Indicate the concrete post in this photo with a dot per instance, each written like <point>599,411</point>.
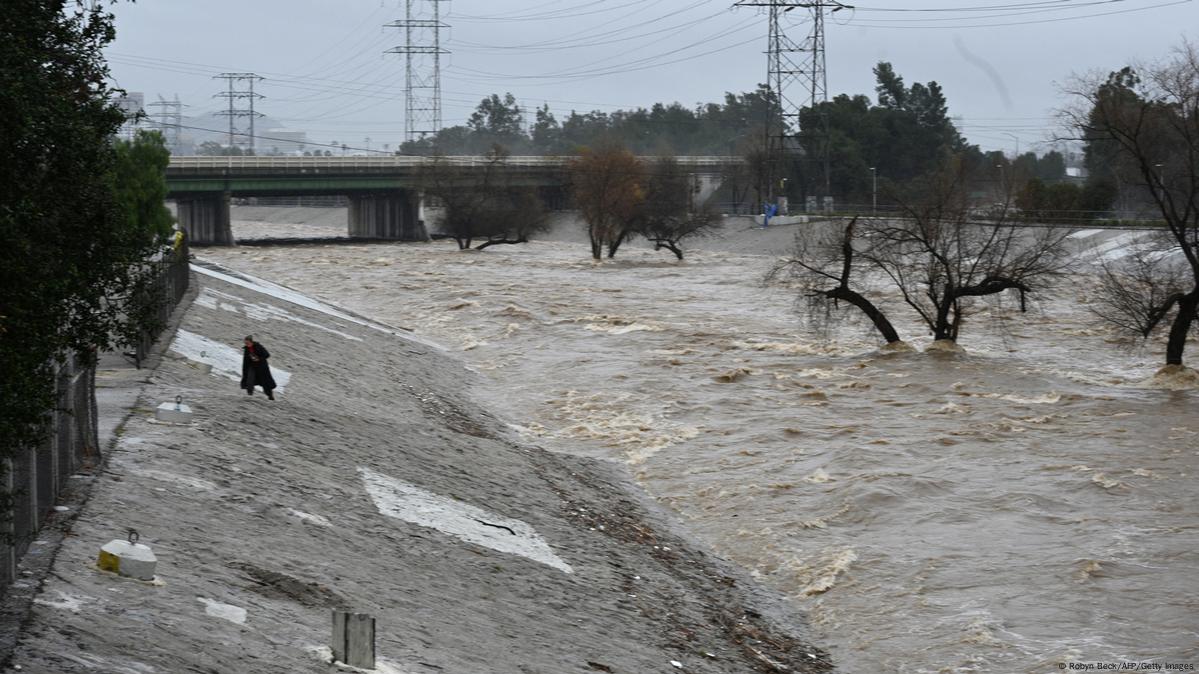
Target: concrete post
<point>205,218</point>
<point>354,639</point>
<point>387,215</point>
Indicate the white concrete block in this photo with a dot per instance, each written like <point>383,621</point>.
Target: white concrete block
<point>128,559</point>
<point>176,413</point>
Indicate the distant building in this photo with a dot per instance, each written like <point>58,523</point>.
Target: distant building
<point>133,104</point>
<point>281,141</point>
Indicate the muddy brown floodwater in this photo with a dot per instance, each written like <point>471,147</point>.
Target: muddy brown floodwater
<point>1026,503</point>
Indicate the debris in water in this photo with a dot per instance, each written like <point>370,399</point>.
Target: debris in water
<point>732,375</point>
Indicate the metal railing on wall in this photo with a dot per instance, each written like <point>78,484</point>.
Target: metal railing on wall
<point>171,276</point>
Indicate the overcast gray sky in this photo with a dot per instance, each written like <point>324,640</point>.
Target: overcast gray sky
<point>1001,62</point>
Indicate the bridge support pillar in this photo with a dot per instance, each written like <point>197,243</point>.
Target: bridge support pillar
<point>205,218</point>
<point>389,215</point>
<point>703,186</point>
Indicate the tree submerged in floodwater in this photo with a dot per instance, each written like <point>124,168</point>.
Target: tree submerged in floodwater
<point>484,202</point>
<point>621,197</point>
<point>939,257</point>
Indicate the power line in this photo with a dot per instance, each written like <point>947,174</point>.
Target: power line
<point>891,24</point>
<point>986,8</point>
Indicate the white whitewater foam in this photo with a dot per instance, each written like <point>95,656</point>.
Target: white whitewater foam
<point>66,602</point>
<point>215,299</point>
<point>309,517</point>
<point>404,501</point>
<point>216,609</point>
<point>224,359</point>
<point>1115,248</point>
<point>182,480</point>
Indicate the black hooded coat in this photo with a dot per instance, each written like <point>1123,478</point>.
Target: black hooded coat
<point>254,368</point>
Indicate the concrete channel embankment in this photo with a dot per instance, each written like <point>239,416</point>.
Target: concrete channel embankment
<point>374,484</point>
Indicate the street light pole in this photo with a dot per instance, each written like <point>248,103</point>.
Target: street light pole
<point>873,191</point>
<point>1015,138</point>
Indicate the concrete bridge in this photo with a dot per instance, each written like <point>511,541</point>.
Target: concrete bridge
<point>384,192</point>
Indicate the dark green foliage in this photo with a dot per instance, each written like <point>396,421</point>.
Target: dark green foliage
<point>712,129</point>
<point>1051,167</point>
<point>139,186</point>
<point>905,135</point>
<point>211,148</point>
<point>1065,203</point>
<point>69,254</point>
<point>497,121</point>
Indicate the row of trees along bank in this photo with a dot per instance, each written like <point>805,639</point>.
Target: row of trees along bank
<point>81,213</point>
<point>902,133</point>
<point>943,261</point>
<point>619,196</point>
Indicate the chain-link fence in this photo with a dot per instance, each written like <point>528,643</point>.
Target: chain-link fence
<point>34,477</point>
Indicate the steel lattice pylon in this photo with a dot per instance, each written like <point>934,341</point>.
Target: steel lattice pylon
<point>233,113</point>
<point>170,121</point>
<point>791,64</point>
<point>422,52</point>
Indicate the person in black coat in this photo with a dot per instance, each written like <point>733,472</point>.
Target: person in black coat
<point>254,369</point>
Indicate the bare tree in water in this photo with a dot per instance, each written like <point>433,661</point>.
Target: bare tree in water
<point>821,267</point>
<point>938,257</point>
<point>668,214</point>
<point>943,260</point>
<point>1147,120</point>
<point>608,191</point>
<point>482,202</point>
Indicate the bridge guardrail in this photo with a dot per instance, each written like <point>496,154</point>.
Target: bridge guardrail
<point>208,163</point>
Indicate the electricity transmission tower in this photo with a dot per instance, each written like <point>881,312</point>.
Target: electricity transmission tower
<point>797,78</point>
<point>170,121</point>
<point>233,113</point>
<point>422,60</point>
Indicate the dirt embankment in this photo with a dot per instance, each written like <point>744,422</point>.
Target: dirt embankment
<point>374,484</point>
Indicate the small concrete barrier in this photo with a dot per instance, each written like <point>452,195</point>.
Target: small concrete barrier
<point>354,639</point>
<point>128,558</point>
<point>175,413</point>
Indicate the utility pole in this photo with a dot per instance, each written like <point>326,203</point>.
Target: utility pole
<point>874,191</point>
<point>170,121</point>
<point>801,64</point>
<point>234,112</point>
<point>422,61</point>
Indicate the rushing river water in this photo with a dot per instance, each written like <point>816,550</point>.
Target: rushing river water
<point>1004,510</point>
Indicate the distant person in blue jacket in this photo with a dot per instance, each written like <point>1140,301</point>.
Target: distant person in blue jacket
<point>768,211</point>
